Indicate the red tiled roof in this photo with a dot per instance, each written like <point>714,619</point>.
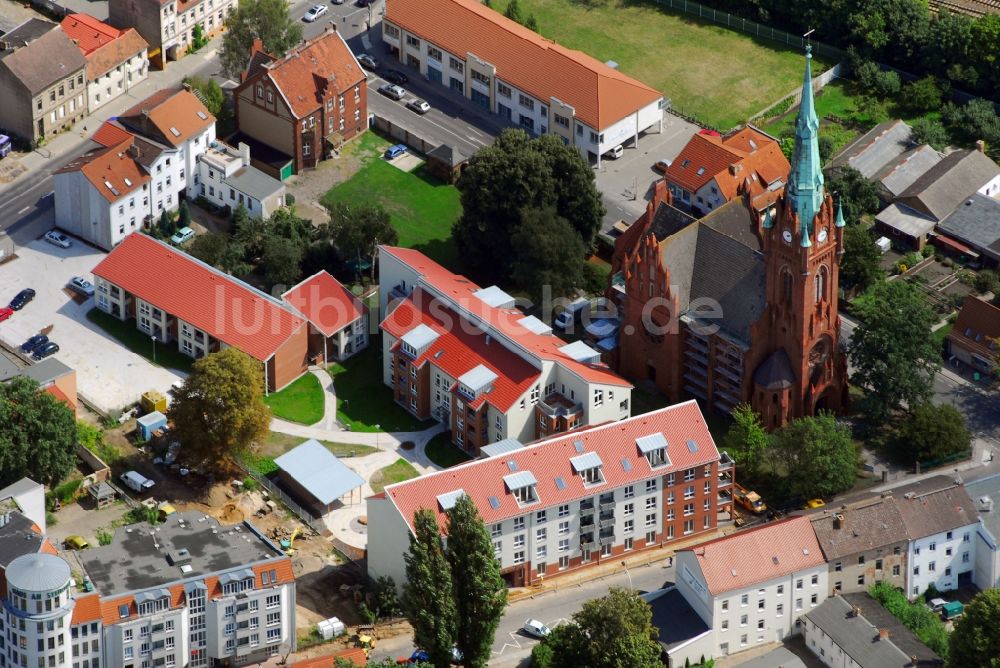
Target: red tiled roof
<point>109,56</point>
<point>325,302</point>
<point>549,459</point>
<point>88,32</point>
<point>86,609</point>
<point>756,555</point>
<point>458,291</point>
<point>111,170</point>
<point>457,350</point>
<point>167,110</point>
<point>305,72</point>
<point>175,282</point>
<point>601,95</point>
<point>355,656</point>
<point>110,134</point>
<point>978,327</point>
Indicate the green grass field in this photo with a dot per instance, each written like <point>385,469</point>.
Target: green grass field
<point>363,401</point>
<point>443,452</point>
<point>301,402</point>
<point>422,208</point>
<point>125,333</point>
<point>398,471</point>
<point>719,76</point>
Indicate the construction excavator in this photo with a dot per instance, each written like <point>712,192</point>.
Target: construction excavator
<point>288,545</point>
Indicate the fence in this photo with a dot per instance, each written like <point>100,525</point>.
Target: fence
<point>276,492</point>
<point>401,134</point>
<point>818,83</point>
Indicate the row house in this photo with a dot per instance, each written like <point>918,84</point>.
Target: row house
<point>303,106</point>
<point>42,81</point>
<point>168,25</point>
<point>467,357</point>
<point>116,59</point>
<point>515,73</point>
<point>570,501</point>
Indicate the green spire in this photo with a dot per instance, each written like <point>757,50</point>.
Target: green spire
<point>768,221</point>
<point>805,182</point>
<point>840,213</point>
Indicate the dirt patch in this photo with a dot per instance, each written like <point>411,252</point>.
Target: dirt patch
<point>10,170</point>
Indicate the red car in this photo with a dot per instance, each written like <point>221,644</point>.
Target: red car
<point>5,312</point>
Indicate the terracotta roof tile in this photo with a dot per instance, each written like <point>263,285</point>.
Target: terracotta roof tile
<point>601,95</point>
<point>165,111</point>
<point>614,442</point>
<point>226,308</point>
<point>110,134</point>
<point>88,32</point>
<point>355,656</point>
<point>111,170</point>
<point>106,58</point>
<point>325,302</point>
<point>978,327</point>
<point>86,609</point>
<point>746,558</point>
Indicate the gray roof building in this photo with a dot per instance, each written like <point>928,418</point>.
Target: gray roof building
<point>945,185</point>
<point>934,505</point>
<point>17,537</point>
<point>905,220</point>
<point>318,472</point>
<point>899,174</point>
<point>977,224</point>
<point>859,527</point>
<point>40,54</point>
<point>255,183</point>
<point>872,151</point>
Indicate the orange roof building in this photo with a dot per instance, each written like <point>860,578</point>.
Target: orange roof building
<point>116,59</point>
<point>975,338</point>
<point>338,320</point>
<point>514,72</point>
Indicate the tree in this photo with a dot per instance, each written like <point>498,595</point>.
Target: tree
<point>266,20</point>
<point>928,433</point>
<point>219,410</point>
<point>531,23</point>
<point>861,265</point>
<point>211,93</point>
<point>613,631</point>
<point>931,131</point>
<point>550,254</point>
<point>167,225</point>
<point>892,349</point>
<point>252,232</point>
<point>818,455</point>
<point>220,251</point>
<point>37,434</point>
<point>357,230</point>
<point>974,640</point>
<point>479,590</point>
<point>428,595</point>
<point>513,11</point>
<point>282,261</point>
<point>183,214</point>
<point>198,39</point>
<point>921,96</point>
<point>746,441</point>
<point>856,194</point>
<point>386,601</point>
<point>876,81</point>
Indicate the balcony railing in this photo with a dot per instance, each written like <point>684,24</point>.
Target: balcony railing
<point>726,462</point>
<point>586,505</point>
<point>559,407</point>
<point>607,506</point>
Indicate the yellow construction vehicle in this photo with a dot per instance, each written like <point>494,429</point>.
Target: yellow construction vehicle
<point>289,545</point>
<point>365,642</point>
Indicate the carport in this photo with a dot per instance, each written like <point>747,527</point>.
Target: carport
<point>316,478</point>
<point>103,494</point>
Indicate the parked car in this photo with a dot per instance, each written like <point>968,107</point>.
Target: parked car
<point>368,62</point>
<point>81,285</point>
<point>661,166</point>
<point>5,312</point>
<point>182,235</point>
<point>37,341</point>
<point>418,105</point>
<point>394,92</point>
<point>535,628</point>
<point>572,313</point>
<point>336,2</point>
<point>75,543</point>
<point>45,350</point>
<point>57,238</point>
<point>363,3</point>
<point>394,151</point>
<point>314,13</point>
<point>136,482</point>
<point>395,76</point>
<point>814,503</point>
<point>22,298</point>
<point>615,153</point>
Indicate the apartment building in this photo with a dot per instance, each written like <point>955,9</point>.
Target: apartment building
<point>863,543</point>
<point>338,319</point>
<point>229,180</point>
<point>177,299</point>
<point>751,587</point>
<point>303,106</point>
<point>570,501</point>
<point>985,493</point>
<point>465,356</point>
<point>116,59</point>
<point>515,73</point>
<point>168,25</point>
<point>42,81</point>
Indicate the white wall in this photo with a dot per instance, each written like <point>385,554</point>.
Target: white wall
<point>388,541</point>
<point>31,502</point>
<point>392,272</point>
<point>992,188</point>
<point>165,182</point>
<point>987,569</point>
<point>933,552</point>
<point>118,81</point>
<point>823,646</point>
<point>82,211</point>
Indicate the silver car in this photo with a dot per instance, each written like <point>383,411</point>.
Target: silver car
<point>314,13</point>
<point>58,239</point>
<point>82,286</point>
<point>418,105</point>
<point>393,91</point>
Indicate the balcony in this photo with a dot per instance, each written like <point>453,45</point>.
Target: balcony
<point>587,505</point>
<point>697,343</point>
<point>727,372</point>
<point>726,462</point>
<point>697,356</point>
<point>607,520</point>
<point>558,406</point>
<point>607,507</point>
<point>725,497</point>
<point>399,292</point>
<point>587,521</point>
<point>606,538</point>
<point>587,542</point>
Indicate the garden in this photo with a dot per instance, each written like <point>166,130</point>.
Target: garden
<point>364,402</point>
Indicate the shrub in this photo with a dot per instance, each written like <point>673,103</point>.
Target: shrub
<point>917,617</point>
<point>927,251</point>
<point>986,281</point>
<point>51,519</point>
<point>250,484</point>
<point>542,656</point>
<point>104,537</point>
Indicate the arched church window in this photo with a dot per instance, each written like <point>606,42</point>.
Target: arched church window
<point>822,278</point>
<point>786,284</point>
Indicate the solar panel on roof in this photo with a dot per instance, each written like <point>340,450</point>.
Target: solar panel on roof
<point>692,445</point>
<point>578,445</point>
<point>560,483</point>
<point>626,464</point>
<point>512,465</point>
<point>494,502</point>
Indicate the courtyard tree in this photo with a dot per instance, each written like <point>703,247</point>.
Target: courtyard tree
<point>357,230</point>
<point>219,410</point>
<point>282,261</point>
<point>480,594</point>
<point>861,265</point>
<point>928,432</point>
<point>266,20</point>
<point>183,214</point>
<point>37,434</point>
<point>892,350</point>
<point>428,595</point>
<point>817,456</point>
<point>550,256</point>
<point>513,11</point>
<point>220,251</point>
<point>975,640</point>
<point>856,194</point>
<point>746,440</point>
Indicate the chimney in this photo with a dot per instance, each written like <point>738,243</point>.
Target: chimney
<point>981,146</point>
<point>244,154</point>
<point>133,151</point>
<point>258,45</point>
<point>838,521</point>
<point>333,26</point>
<point>883,634</point>
<point>855,611</point>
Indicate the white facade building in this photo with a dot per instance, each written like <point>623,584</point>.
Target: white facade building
<point>985,493</point>
<point>228,179</point>
<point>37,611</point>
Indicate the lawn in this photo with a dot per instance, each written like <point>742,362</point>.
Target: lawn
<point>363,400</point>
<point>719,76</point>
<point>443,452</point>
<point>398,471</point>
<point>261,461</point>
<point>422,208</point>
<point>301,402</point>
<point>125,333</point>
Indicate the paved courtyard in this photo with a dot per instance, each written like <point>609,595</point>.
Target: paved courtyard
<point>109,376</point>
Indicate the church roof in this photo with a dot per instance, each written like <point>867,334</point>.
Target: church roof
<point>776,372</point>
<point>805,182</point>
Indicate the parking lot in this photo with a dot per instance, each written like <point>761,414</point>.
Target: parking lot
<point>109,377</point>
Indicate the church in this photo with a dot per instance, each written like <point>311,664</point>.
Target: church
<point>739,307</point>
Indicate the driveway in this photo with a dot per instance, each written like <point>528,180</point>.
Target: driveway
<point>109,376</point>
<point>76,520</point>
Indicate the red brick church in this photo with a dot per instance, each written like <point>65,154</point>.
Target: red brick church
<point>738,307</point>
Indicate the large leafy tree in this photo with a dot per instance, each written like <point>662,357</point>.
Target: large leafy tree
<point>929,432</point>
<point>266,20</point>
<point>220,251</point>
<point>861,265</point>
<point>817,454</point>
<point>746,441</point>
<point>855,193</point>
<point>892,350</point>
<point>428,595</point>
<point>37,434</point>
<point>550,254</point>
<point>975,640</point>
<point>480,592</point>
<point>219,410</point>
<point>282,260</point>
<point>357,230</point>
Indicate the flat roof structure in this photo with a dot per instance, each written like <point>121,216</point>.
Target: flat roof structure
<point>319,472</point>
<point>676,620</point>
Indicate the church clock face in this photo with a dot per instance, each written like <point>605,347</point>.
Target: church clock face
<point>822,235</point>
<point>787,236</point>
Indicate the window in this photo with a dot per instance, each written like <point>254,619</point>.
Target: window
<point>518,523</point>
<point>932,567</point>
<point>540,517</point>
<point>725,605</point>
<point>628,544</point>
<point>650,502</point>
<point>480,77</point>
<point>780,590</point>
<point>564,510</point>
<point>526,102</point>
<point>563,563</point>
<point>598,397</point>
<point>433,52</point>
<point>895,570</point>
<point>541,552</point>
<point>725,624</point>
<point>519,557</point>
<point>743,620</point>
<point>629,509</point>
<point>798,584</point>
<point>779,609</point>
<point>456,64</point>
<point>651,520</point>
<point>541,534</point>
<point>760,624</point>
<point>744,599</point>
<point>861,579</point>
<point>689,475</point>
<point>496,530</point>
<point>503,89</point>
<point>798,604</point>
<point>650,485</point>
<point>412,41</point>
<point>519,540</point>
<point>564,545</point>
<point>760,604</point>
<point>629,491</point>
<point>813,599</point>
<point>629,526</point>
<point>815,579</point>
<point>689,492</point>
<point>561,121</point>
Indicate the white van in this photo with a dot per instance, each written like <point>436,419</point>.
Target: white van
<point>572,313</point>
<point>615,153</point>
<point>136,482</point>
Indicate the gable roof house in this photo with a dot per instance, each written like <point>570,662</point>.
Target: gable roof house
<point>168,25</point>
<point>304,105</point>
<point>975,338</point>
<point>973,230</point>
<point>41,81</point>
<point>116,59</point>
<point>338,319</point>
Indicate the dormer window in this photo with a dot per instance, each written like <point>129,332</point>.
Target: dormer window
<point>589,466</point>
<point>654,449</point>
<point>522,485</point>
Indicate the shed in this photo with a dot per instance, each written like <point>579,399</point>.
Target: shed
<point>316,478</point>
<point>446,162</point>
<point>149,423</point>
<point>103,494</point>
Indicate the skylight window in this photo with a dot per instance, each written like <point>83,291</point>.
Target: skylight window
<point>701,170</point>
<point>174,131</point>
<point>128,182</point>
<point>685,163</point>
<point>202,116</point>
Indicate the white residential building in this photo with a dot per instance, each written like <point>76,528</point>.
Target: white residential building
<point>228,179</point>
<point>116,59</point>
<point>985,493</point>
<point>751,587</point>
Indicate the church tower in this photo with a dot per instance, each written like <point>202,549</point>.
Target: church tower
<point>800,368</point>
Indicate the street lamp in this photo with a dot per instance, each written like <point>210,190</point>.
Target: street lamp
<point>153,339</point>
<point>378,428</point>
<point>625,566</point>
